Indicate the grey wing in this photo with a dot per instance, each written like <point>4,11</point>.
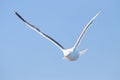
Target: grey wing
<point>84,30</point>
<point>41,33</point>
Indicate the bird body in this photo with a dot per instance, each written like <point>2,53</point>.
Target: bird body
<point>70,54</point>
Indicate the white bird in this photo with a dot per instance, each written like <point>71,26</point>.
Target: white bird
<point>70,54</point>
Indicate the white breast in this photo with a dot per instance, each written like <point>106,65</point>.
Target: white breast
<point>72,56</point>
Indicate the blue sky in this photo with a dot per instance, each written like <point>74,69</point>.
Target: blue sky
<point>25,55</point>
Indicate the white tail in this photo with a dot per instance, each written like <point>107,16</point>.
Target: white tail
<point>83,51</point>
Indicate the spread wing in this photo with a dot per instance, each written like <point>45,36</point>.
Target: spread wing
<point>40,32</point>
<point>84,30</point>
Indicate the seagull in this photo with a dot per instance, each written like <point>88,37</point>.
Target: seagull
<point>70,54</point>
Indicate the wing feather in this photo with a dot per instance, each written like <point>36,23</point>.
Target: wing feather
<point>40,32</point>
<point>84,30</point>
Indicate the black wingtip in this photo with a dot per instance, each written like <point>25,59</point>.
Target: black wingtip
<point>16,13</point>
<point>19,16</point>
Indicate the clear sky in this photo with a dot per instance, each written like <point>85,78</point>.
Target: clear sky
<point>25,55</point>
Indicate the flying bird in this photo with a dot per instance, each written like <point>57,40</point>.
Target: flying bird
<point>70,54</point>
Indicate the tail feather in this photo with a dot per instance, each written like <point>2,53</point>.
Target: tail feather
<point>83,51</point>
